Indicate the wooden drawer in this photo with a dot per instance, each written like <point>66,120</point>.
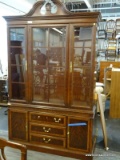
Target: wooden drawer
<point>47,118</point>
<point>47,129</point>
<point>47,140</point>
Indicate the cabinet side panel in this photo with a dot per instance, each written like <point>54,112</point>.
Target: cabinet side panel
<point>17,123</point>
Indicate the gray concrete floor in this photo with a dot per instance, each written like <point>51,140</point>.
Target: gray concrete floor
<point>99,154</point>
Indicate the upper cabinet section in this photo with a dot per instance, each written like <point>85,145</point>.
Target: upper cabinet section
<point>51,56</point>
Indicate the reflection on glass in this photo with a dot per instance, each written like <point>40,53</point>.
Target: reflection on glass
<point>82,44</point>
<point>49,65</point>
<point>17,52</point>
<point>17,60</point>
<point>81,86</point>
<point>18,73</point>
<point>57,37</point>
<point>17,34</point>
<point>40,39</point>
<point>18,91</point>
<point>81,65</point>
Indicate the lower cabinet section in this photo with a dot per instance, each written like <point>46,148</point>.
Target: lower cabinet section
<point>69,133</point>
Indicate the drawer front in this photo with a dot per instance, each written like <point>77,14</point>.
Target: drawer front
<point>48,118</point>
<point>47,140</point>
<point>48,130</point>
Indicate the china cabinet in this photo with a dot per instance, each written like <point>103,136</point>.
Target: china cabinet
<point>51,79</point>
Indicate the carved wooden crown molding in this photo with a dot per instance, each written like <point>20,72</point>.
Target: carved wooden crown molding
<point>48,8</point>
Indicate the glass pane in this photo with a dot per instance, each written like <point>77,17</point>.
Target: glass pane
<point>82,34</point>
<point>17,34</point>
<point>40,39</point>
<point>57,37</point>
<point>18,91</point>
<point>81,57</point>
<point>18,62</point>
<point>57,89</point>
<point>17,52</point>
<point>57,59</point>
<point>81,86</point>
<point>81,65</point>
<point>40,64</point>
<point>49,65</point>
<point>18,73</point>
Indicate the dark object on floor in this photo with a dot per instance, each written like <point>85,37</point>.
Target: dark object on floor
<point>6,112</point>
<point>5,143</point>
<point>3,119</point>
<point>98,113</point>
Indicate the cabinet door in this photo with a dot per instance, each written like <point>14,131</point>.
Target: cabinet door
<point>48,52</point>
<point>17,63</point>
<point>18,125</point>
<point>78,134</point>
<point>81,65</point>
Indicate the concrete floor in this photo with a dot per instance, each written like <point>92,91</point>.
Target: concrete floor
<point>99,154</point>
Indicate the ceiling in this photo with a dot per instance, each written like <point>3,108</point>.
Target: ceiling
<point>110,9</point>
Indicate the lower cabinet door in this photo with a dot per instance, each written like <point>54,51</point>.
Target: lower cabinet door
<point>78,134</point>
<point>18,122</point>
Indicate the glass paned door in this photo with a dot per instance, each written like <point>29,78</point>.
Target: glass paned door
<point>49,64</point>
<point>81,66</point>
<point>17,57</point>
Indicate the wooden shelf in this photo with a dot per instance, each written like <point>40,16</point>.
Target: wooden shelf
<point>108,79</point>
<point>4,104</point>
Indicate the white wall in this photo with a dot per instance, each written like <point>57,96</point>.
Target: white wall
<point>3,45</point>
<point>6,10</point>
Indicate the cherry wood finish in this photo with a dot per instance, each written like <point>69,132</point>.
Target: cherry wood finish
<point>114,92</point>
<point>53,70</point>
<point>4,143</point>
<point>18,125</point>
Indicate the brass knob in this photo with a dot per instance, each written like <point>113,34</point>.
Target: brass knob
<point>68,133</point>
<point>26,128</point>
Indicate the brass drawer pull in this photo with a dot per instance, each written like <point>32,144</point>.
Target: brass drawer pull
<point>46,140</point>
<point>46,130</point>
<point>38,117</point>
<point>57,120</point>
<point>68,133</point>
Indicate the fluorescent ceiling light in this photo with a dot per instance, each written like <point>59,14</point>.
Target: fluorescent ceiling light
<point>16,5</point>
<point>118,36</point>
<point>57,30</point>
<point>88,4</point>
